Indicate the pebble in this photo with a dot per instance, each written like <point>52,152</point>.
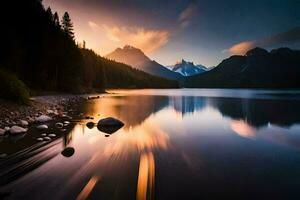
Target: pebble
<point>23,123</point>
<point>66,123</point>
<point>52,135</point>
<point>44,134</point>
<point>47,138</point>
<point>59,125</point>
<point>6,128</point>
<point>41,127</point>
<point>40,139</point>
<point>43,118</point>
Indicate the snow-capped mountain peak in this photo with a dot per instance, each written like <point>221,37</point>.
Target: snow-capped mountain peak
<point>186,68</point>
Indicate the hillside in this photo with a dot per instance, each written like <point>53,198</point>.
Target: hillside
<point>259,68</point>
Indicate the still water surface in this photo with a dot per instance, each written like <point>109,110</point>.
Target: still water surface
<point>176,144</point>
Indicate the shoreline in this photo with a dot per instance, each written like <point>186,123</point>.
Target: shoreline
<point>14,114</point>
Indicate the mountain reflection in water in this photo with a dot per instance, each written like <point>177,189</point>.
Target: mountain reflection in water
<point>183,144</point>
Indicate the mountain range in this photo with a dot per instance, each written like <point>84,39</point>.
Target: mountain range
<point>279,68</point>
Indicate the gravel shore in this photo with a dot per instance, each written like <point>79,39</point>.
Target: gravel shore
<point>15,114</point>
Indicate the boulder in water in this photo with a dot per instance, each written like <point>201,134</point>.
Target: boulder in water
<point>109,125</point>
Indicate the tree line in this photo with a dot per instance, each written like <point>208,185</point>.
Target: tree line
<point>39,48</point>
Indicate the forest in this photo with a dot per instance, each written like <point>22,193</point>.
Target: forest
<point>39,53</point>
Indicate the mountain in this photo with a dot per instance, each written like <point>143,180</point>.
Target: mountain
<point>187,68</point>
<point>259,68</point>
<point>137,59</point>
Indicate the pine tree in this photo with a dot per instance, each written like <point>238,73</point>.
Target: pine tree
<point>56,20</point>
<point>67,26</point>
<point>49,14</point>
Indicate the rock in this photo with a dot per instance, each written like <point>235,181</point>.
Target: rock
<point>66,123</point>
<point>68,152</point>
<point>47,138</point>
<point>51,135</point>
<point>90,125</point>
<point>44,135</point>
<point>41,127</point>
<point>109,125</point>
<point>59,125</point>
<point>43,118</point>
<point>17,130</point>
<point>40,139</point>
<point>2,132</point>
<point>50,111</point>
<point>3,155</point>
<point>63,129</point>
<point>6,128</point>
<point>23,123</point>
<point>110,121</point>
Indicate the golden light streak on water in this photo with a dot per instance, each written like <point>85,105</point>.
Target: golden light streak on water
<point>88,188</point>
<point>145,186</point>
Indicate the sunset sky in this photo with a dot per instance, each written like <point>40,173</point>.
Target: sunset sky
<point>203,31</point>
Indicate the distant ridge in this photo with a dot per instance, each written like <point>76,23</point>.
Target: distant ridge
<point>279,68</point>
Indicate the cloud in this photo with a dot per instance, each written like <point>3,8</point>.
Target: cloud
<point>290,38</point>
<point>148,40</point>
<point>186,15</point>
<point>93,25</point>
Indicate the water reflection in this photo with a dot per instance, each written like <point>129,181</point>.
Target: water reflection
<point>195,143</point>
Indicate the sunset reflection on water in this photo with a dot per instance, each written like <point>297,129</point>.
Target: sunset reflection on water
<point>171,147</point>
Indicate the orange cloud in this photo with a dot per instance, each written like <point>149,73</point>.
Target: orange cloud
<point>146,39</point>
<point>241,48</point>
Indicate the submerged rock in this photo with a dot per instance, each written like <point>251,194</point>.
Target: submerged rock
<point>43,118</point>
<point>42,127</point>
<point>17,130</point>
<point>109,125</point>
<point>68,152</point>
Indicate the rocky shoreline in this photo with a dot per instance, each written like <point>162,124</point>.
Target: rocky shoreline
<point>21,116</point>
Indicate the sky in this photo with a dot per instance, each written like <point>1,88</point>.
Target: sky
<point>202,31</point>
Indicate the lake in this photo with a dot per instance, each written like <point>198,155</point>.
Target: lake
<point>175,144</point>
